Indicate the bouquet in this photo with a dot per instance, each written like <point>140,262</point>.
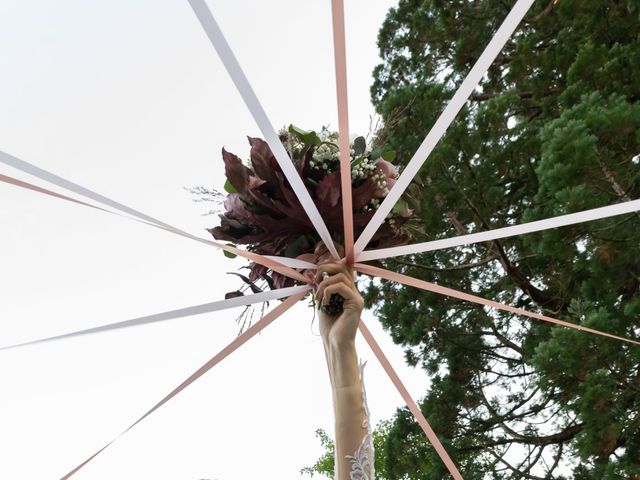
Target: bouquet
<point>263,212</point>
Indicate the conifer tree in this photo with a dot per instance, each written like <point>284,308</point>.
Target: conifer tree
<point>554,128</point>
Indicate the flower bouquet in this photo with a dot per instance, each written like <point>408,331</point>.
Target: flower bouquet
<point>263,212</point>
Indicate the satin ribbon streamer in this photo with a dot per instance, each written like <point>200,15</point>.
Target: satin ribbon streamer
<point>547,223</point>
<point>179,313</point>
<point>340,56</point>
<point>444,120</point>
<point>432,287</point>
<point>292,262</point>
<point>272,262</point>
<point>285,265</point>
<point>225,352</point>
<point>241,82</point>
<point>422,421</point>
<point>35,188</point>
<point>42,174</point>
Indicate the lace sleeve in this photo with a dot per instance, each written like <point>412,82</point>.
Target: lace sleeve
<point>362,461</point>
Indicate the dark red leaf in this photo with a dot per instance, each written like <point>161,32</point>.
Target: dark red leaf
<point>254,288</point>
<point>328,190</point>
<point>237,173</point>
<point>262,159</point>
<point>362,194</point>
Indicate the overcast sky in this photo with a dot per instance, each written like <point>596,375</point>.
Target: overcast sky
<point>129,98</point>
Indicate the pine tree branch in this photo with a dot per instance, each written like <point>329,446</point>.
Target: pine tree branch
<point>542,298</point>
<point>547,10</point>
<point>554,439</point>
<point>617,188</point>
<point>504,340</point>
<point>464,266</point>
<point>482,97</point>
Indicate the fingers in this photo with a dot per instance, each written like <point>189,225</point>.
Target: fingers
<point>339,278</point>
<point>332,278</point>
<point>352,300</point>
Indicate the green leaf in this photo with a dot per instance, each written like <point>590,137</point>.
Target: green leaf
<point>389,155</point>
<point>359,146</point>
<point>308,137</point>
<point>357,162</point>
<point>229,254</point>
<point>400,207</point>
<point>229,188</point>
<point>414,189</point>
<point>376,153</point>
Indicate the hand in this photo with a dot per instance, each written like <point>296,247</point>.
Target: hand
<point>341,329</point>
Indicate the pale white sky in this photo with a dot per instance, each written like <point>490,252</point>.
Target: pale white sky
<point>129,98</point>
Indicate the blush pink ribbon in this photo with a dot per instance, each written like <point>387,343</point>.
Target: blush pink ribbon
<point>220,44</point>
<point>406,396</point>
<point>352,250</point>
<point>224,353</point>
<point>270,262</point>
<point>340,56</point>
<point>432,287</point>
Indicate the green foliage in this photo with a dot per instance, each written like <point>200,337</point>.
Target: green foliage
<point>326,464</point>
<point>307,137</point>
<point>229,188</point>
<point>554,129</point>
<point>229,254</point>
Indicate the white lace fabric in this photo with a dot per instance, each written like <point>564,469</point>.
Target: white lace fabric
<point>362,461</point>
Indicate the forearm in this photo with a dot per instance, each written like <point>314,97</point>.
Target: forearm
<point>354,442</point>
<point>342,361</point>
<point>352,431</point>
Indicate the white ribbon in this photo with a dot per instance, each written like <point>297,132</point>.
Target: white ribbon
<point>547,223</point>
<point>292,262</point>
<point>241,82</point>
<point>444,120</point>
<point>74,187</point>
<point>179,313</point>
<point>221,355</point>
<point>137,216</point>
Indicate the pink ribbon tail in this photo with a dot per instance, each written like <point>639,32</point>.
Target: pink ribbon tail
<point>339,49</point>
<point>422,421</point>
<point>224,353</point>
<point>432,287</point>
<point>141,218</point>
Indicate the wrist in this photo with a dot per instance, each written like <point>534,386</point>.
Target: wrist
<point>343,363</point>
<point>340,346</point>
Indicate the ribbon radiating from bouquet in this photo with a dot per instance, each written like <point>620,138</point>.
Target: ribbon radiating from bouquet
<point>289,267</point>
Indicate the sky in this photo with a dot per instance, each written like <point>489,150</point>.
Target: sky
<point>128,98</point>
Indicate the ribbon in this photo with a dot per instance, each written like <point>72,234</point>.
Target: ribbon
<point>272,262</point>
<point>74,187</point>
<point>444,120</point>
<point>241,82</point>
<point>547,223</point>
<point>417,413</point>
<point>292,262</point>
<point>224,353</point>
<point>179,313</point>
<point>29,186</point>
<point>432,287</point>
<point>340,56</point>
